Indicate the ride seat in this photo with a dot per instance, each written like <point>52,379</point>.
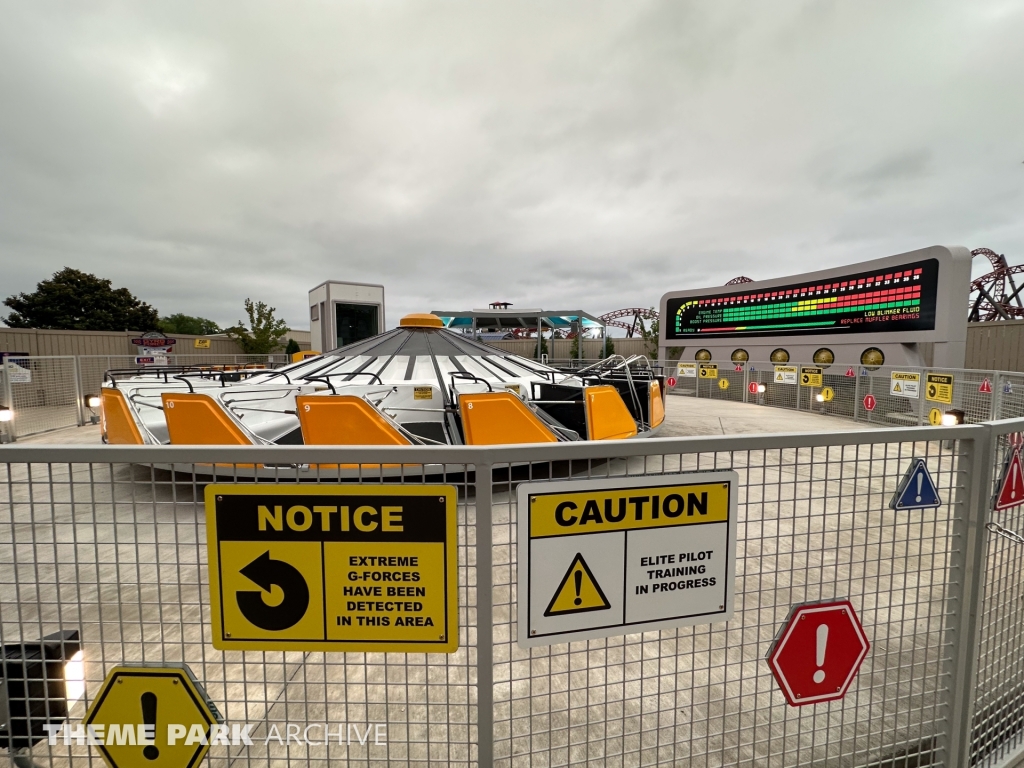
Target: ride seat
<point>608,418</point>
<point>116,421</point>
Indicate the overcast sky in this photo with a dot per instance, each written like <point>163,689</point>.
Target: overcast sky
<point>552,154</point>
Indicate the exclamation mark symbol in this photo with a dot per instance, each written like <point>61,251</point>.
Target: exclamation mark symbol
<point>578,578</point>
<point>1015,469</point>
<point>920,482</point>
<point>822,640</point>
<point>150,751</point>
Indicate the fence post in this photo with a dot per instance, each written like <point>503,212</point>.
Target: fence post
<point>746,380</point>
<point>966,588</point>
<point>484,618</point>
<point>996,401</point>
<point>856,396</point>
<point>12,431</point>
<point>79,396</point>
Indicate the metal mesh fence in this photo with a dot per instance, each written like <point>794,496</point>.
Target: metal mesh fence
<point>118,552</point>
<point>980,395</point>
<point>997,733</point>
<point>112,542</point>
<point>814,524</point>
<point>43,392</point>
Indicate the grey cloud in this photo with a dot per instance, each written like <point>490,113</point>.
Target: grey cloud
<point>588,154</point>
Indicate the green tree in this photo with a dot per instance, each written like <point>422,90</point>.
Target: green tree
<point>180,323</point>
<point>610,348</point>
<point>292,348</point>
<point>77,301</point>
<point>543,348</point>
<point>650,337</point>
<point>264,333</point>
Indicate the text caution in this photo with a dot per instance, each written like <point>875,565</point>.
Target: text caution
<point>611,557</point>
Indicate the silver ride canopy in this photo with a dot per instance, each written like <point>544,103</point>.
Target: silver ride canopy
<point>419,384</point>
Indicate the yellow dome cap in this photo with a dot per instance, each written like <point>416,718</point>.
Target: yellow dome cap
<point>421,320</point>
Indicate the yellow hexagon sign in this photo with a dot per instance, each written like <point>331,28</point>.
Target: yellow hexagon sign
<point>827,393</point>
<point>156,716</point>
<point>723,383</point>
<point>935,417</point>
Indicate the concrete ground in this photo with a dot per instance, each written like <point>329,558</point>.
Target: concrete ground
<point>120,551</point>
<point>687,416</point>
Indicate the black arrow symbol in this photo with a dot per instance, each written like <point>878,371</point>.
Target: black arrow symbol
<point>266,573</point>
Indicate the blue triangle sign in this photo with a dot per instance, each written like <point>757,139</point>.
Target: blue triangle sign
<point>916,490</point>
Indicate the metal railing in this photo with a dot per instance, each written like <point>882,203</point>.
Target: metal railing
<point>46,393</point>
<point>110,541</point>
<point>981,395</point>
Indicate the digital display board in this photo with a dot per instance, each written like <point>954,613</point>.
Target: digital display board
<point>897,299</point>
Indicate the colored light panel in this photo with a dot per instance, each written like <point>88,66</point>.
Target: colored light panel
<point>902,300</point>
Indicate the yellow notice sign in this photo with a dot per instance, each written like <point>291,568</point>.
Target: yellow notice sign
<point>810,377</point>
<point>939,388</point>
<point>423,393</point>
<point>202,343</point>
<point>333,567</point>
<point>152,715</point>
<point>609,557</point>
<point>578,592</point>
<point>708,370</point>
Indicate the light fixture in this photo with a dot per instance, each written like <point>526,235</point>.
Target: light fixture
<point>39,681</point>
<point>953,417</point>
<point>6,414</point>
<point>760,389</point>
<point>92,402</point>
<point>819,397</point>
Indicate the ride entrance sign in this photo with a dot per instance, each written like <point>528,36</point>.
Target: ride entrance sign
<point>614,556</point>
<point>297,567</point>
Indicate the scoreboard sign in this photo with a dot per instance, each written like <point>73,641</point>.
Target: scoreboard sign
<point>297,567</point>
<point>600,558</point>
<point>870,313</point>
<point>861,302</point>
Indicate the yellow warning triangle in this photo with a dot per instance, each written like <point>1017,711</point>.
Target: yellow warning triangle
<point>578,592</point>
<point>896,388</point>
<point>779,377</point>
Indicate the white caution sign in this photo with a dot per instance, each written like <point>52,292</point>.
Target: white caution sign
<point>904,384</point>
<point>600,558</point>
<point>785,374</point>
<point>687,370</point>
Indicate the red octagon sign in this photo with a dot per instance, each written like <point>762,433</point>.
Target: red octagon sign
<point>752,387</point>
<point>870,402</point>
<point>671,381</point>
<point>818,652</point>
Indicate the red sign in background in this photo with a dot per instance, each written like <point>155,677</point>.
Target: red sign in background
<point>752,387</point>
<point>1011,486</point>
<point>870,402</point>
<point>818,653</point>
<point>671,381</point>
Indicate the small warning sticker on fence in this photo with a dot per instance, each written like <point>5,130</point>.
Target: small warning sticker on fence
<point>916,490</point>
<point>785,374</point>
<point>939,388</point>
<point>609,557</point>
<point>904,384</point>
